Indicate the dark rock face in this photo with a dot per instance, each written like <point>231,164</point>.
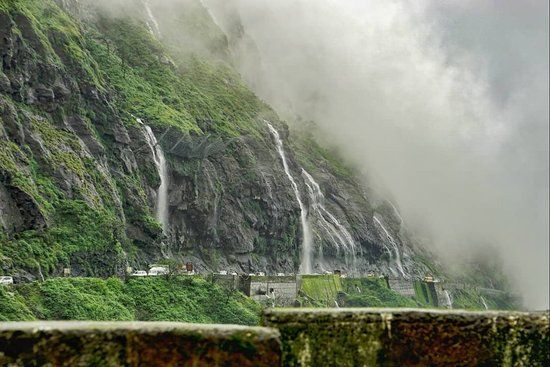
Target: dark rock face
<point>137,344</point>
<point>231,204</point>
<point>400,337</point>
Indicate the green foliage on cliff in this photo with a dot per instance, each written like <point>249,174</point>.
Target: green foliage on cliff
<point>13,307</point>
<point>186,299</point>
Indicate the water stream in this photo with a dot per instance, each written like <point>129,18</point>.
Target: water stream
<point>152,22</point>
<point>397,256</point>
<point>448,299</point>
<point>161,207</point>
<point>484,303</point>
<point>337,233</point>
<point>305,267</point>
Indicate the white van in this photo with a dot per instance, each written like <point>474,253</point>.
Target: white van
<point>6,280</point>
<point>158,270</point>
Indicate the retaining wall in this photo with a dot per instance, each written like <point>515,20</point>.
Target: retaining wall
<point>402,337</point>
<point>106,344</point>
<point>305,337</point>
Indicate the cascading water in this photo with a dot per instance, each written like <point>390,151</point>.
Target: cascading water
<point>396,212</point>
<point>395,248</point>
<point>305,267</point>
<point>337,233</point>
<point>448,299</point>
<point>160,163</point>
<point>152,22</point>
<point>484,303</point>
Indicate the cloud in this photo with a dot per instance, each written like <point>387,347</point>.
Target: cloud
<point>442,104</point>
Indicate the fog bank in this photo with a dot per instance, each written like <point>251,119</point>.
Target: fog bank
<point>443,105</point>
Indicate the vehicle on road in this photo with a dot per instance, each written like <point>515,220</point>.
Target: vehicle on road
<point>158,270</point>
<point>6,280</point>
<point>139,273</point>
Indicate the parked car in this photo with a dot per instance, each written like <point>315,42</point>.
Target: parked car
<point>158,270</point>
<point>6,280</point>
<point>223,272</point>
<point>260,274</point>
<point>280,274</point>
<point>139,273</point>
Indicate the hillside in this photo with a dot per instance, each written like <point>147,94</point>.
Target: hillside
<point>80,184</point>
<point>183,299</point>
<point>128,138</point>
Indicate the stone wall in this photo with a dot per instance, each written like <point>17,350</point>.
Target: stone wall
<point>402,337</point>
<point>227,281</point>
<point>402,286</point>
<point>148,344</point>
<point>276,290</point>
<point>305,337</point>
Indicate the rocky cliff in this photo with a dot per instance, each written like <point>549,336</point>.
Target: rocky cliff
<point>81,82</point>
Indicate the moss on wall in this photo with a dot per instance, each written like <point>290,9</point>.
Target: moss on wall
<point>319,290</point>
<point>393,337</point>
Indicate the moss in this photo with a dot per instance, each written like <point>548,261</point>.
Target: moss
<point>372,292</point>
<point>320,289</point>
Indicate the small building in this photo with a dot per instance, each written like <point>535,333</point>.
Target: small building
<point>280,290</point>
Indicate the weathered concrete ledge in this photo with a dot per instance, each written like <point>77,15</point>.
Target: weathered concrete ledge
<point>406,337</point>
<point>57,343</point>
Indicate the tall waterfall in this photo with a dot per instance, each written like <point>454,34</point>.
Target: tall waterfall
<point>160,163</point>
<point>448,299</point>
<point>152,22</point>
<point>484,303</point>
<point>337,233</point>
<point>305,267</point>
<point>397,256</point>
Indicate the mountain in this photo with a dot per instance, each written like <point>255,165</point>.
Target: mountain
<point>129,138</point>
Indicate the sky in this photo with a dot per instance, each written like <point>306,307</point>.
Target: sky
<point>442,104</point>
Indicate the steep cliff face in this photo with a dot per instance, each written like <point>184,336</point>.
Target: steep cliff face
<point>79,185</point>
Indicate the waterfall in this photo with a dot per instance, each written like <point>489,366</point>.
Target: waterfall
<point>305,266</point>
<point>448,299</point>
<point>484,303</point>
<point>395,248</point>
<point>337,233</point>
<point>152,22</point>
<point>162,169</point>
<point>396,212</point>
<point>336,304</point>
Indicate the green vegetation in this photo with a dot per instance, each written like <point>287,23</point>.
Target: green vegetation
<point>13,307</point>
<point>320,290</point>
<point>425,293</point>
<point>175,298</point>
<point>372,292</point>
<point>325,290</point>
<point>312,155</point>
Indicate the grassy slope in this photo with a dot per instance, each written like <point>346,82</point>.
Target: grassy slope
<point>183,299</point>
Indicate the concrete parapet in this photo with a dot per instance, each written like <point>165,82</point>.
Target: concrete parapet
<point>57,343</point>
<point>406,337</point>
